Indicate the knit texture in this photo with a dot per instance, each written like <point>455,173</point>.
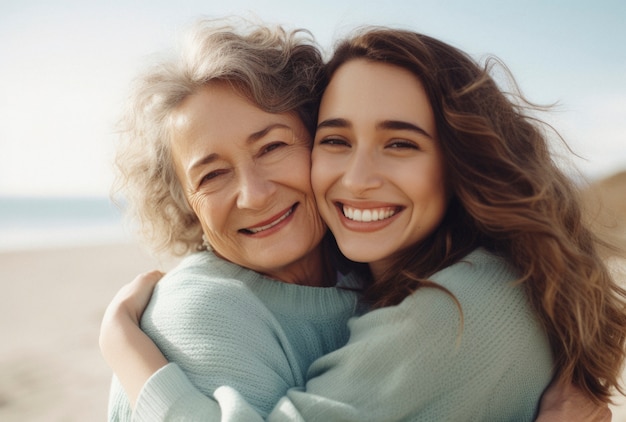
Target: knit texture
<point>220,324</point>
<point>410,362</point>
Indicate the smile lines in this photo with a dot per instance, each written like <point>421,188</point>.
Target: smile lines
<point>270,225</point>
<point>368,215</point>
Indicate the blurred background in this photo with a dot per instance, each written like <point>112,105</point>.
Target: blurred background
<point>65,68</point>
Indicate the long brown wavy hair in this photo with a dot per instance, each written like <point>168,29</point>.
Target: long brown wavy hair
<point>510,197</point>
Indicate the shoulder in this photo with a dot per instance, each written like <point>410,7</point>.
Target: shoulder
<point>203,275</point>
<point>479,276</point>
<point>494,308</point>
<point>479,263</point>
<point>490,299</point>
<point>203,288</point>
<point>208,266</point>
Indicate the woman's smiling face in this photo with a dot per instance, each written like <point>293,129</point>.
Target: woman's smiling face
<point>246,174</point>
<point>378,170</point>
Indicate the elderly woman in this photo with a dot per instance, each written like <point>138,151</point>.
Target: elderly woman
<point>216,157</point>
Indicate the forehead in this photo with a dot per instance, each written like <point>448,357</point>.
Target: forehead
<point>218,108</point>
<point>217,119</point>
<point>381,91</point>
<point>218,112</point>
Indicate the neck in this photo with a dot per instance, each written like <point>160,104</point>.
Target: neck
<point>378,268</point>
<point>311,270</point>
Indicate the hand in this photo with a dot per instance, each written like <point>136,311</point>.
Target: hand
<point>132,299</point>
<point>563,402</point>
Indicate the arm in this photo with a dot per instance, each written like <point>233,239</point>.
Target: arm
<point>137,362</point>
<point>499,367</point>
<point>214,330</point>
<point>559,403</point>
<point>554,404</point>
<point>128,350</point>
<point>496,370</point>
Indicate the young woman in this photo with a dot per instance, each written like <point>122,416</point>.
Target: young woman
<point>484,281</point>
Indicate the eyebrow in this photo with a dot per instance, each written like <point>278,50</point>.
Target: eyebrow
<point>401,125</point>
<point>334,123</point>
<point>208,159</point>
<point>384,125</point>
<point>261,133</point>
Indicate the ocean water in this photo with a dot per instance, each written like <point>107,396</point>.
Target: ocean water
<point>35,223</point>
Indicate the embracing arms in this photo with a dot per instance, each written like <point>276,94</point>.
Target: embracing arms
<point>324,392</point>
<point>218,324</point>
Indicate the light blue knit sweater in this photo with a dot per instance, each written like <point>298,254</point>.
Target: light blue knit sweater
<point>411,362</point>
<point>225,325</point>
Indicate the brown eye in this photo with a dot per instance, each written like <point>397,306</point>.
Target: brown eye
<point>271,147</point>
<point>402,144</point>
<point>334,142</point>
<point>212,175</point>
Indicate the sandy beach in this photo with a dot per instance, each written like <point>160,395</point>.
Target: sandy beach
<point>50,311</point>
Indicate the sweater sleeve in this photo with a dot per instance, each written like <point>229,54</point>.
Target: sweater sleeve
<point>169,395</point>
<point>119,406</point>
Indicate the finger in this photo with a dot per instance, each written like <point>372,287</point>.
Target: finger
<point>148,279</point>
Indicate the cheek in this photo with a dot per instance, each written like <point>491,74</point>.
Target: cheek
<point>295,170</point>
<point>206,212</point>
<point>434,194</point>
<point>315,173</point>
<point>321,174</point>
<point>423,183</point>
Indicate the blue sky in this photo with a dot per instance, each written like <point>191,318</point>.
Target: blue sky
<point>65,67</point>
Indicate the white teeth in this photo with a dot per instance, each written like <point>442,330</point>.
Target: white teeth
<point>272,224</point>
<point>366,216</point>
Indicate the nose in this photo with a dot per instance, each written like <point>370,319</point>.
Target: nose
<point>256,189</point>
<point>361,173</point>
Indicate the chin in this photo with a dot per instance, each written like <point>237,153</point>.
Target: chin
<point>360,254</point>
<point>278,258</point>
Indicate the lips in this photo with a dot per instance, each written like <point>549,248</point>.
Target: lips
<point>272,222</point>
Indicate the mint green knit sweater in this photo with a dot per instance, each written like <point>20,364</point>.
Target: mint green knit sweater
<point>226,325</point>
<point>411,362</point>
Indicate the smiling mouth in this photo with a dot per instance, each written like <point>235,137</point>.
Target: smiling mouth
<point>370,214</point>
<point>259,229</point>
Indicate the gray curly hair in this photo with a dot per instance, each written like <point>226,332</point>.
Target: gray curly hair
<point>277,69</point>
